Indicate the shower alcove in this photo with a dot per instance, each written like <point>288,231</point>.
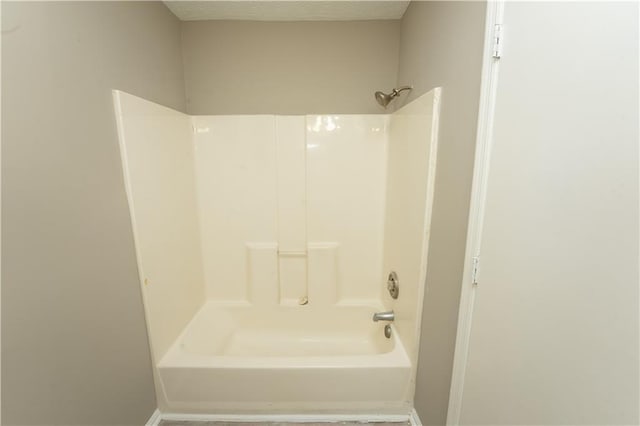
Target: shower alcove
<point>264,244</point>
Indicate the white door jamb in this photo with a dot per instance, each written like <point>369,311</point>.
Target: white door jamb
<point>489,80</point>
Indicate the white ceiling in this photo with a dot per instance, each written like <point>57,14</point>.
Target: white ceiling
<point>291,10</point>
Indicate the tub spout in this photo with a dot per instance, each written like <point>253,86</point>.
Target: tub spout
<point>384,316</point>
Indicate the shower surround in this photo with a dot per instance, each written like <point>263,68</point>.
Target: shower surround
<point>263,246</point>
<point>280,196</point>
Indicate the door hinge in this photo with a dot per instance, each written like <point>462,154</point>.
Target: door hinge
<point>498,40</point>
<point>474,270</point>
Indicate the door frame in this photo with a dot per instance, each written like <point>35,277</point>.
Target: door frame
<point>484,142</point>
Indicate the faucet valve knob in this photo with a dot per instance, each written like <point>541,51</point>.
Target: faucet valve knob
<point>393,285</point>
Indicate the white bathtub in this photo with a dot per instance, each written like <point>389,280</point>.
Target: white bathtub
<point>293,359</point>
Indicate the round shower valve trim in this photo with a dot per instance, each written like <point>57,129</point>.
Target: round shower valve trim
<point>393,285</point>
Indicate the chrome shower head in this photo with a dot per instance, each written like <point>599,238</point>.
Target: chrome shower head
<point>384,98</point>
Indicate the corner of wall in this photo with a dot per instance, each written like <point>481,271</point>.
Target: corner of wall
<point>429,32</point>
<point>185,88</point>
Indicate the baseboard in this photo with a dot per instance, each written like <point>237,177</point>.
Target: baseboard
<point>155,418</point>
<point>284,418</point>
<point>414,420</point>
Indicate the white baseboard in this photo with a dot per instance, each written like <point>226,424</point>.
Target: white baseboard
<point>155,419</point>
<point>414,420</point>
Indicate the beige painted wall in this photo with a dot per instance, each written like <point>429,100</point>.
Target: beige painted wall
<point>441,45</point>
<point>74,345</point>
<point>239,67</point>
<point>555,332</point>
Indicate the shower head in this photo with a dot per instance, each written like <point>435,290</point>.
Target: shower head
<point>384,98</point>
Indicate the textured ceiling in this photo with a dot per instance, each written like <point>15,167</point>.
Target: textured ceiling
<point>292,10</point>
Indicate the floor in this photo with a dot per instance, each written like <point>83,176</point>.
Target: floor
<point>189,423</point>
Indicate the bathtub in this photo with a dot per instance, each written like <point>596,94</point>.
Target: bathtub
<point>286,359</point>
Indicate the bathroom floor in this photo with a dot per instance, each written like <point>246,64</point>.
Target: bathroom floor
<point>190,423</point>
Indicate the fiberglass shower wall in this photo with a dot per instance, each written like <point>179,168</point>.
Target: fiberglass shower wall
<point>257,210</point>
<point>291,208</point>
<point>159,174</point>
<point>279,214</point>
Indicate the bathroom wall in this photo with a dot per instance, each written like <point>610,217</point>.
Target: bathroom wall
<point>413,147</point>
<point>74,344</point>
<point>441,46</point>
<point>158,159</point>
<point>236,166</point>
<point>291,207</point>
<point>559,343</point>
<point>241,67</point>
<point>346,181</point>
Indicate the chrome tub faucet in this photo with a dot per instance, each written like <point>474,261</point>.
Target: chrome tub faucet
<point>384,316</point>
